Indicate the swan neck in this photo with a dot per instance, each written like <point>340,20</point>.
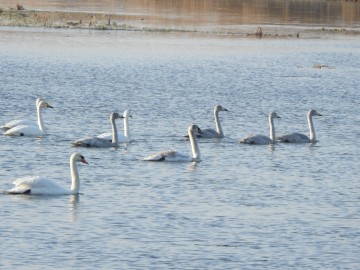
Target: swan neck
<point>311,128</point>
<point>127,133</point>
<point>114,131</point>
<point>40,119</point>
<point>272,129</point>
<point>217,124</point>
<point>75,181</point>
<point>195,150</point>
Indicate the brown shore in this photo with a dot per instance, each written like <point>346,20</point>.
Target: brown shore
<point>101,21</point>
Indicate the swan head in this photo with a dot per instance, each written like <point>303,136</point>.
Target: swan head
<point>115,115</point>
<point>78,158</point>
<point>43,104</point>
<point>195,129</point>
<point>127,114</point>
<point>219,108</point>
<point>314,112</point>
<point>38,100</point>
<point>274,115</point>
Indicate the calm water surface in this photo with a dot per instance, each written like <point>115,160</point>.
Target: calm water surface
<point>241,207</point>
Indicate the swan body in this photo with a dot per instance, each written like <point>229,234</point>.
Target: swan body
<point>101,142</point>
<point>21,122</point>
<point>39,185</point>
<point>175,156</point>
<point>262,139</point>
<point>126,138</point>
<point>299,137</point>
<point>31,130</point>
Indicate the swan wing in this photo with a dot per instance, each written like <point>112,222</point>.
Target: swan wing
<point>31,131</point>
<point>21,122</point>
<point>93,142</point>
<point>168,155</point>
<point>108,136</point>
<point>256,139</point>
<point>293,138</point>
<point>36,185</point>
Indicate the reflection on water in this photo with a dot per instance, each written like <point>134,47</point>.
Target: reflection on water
<point>215,12</point>
<point>73,205</point>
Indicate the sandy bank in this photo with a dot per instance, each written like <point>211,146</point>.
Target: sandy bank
<point>99,21</point>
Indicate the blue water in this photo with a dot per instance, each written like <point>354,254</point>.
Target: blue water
<point>241,207</point>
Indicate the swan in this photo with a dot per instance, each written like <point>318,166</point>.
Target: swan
<point>29,130</point>
<point>126,138</point>
<point>212,133</point>
<point>299,137</point>
<point>100,142</point>
<point>175,156</point>
<point>38,185</point>
<point>25,122</point>
<point>261,139</point>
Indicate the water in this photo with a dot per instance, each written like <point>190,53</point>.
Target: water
<point>241,207</point>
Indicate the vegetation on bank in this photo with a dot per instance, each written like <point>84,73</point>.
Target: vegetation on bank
<point>20,17</point>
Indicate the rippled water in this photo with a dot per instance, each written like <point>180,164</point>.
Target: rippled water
<point>241,207</point>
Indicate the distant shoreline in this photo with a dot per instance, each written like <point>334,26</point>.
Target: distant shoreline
<point>102,21</point>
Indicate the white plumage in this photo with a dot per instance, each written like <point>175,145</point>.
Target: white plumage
<point>31,130</point>
<point>40,185</point>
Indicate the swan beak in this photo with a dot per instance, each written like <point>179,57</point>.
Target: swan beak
<point>226,110</point>
<point>83,160</point>
<point>49,106</point>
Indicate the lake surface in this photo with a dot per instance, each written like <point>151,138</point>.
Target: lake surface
<point>241,207</point>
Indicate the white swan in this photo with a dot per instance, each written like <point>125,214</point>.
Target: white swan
<point>126,138</point>
<point>261,139</point>
<point>211,133</point>
<point>299,137</point>
<point>38,185</point>
<point>20,122</point>
<point>100,142</point>
<point>175,156</point>
<point>29,130</point>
